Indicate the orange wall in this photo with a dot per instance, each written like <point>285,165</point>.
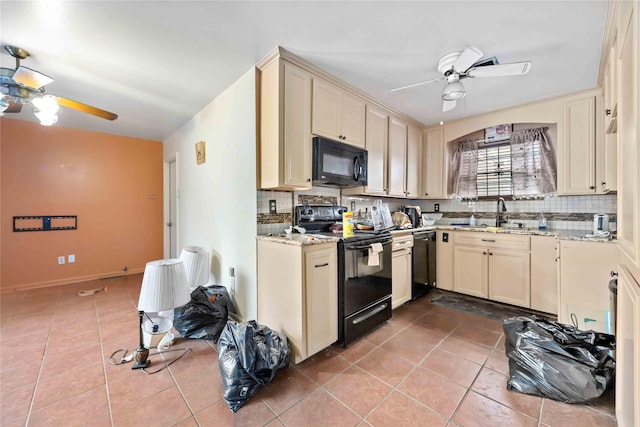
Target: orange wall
<point>112,183</point>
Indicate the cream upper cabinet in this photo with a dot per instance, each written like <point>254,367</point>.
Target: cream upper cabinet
<point>401,270</point>
<point>337,114</point>
<point>544,274</point>
<point>577,163</point>
<point>376,146</point>
<point>414,161</point>
<point>285,127</point>
<point>308,276</point>
<point>585,271</point>
<point>397,157</point>
<point>433,180</point>
<point>492,266</point>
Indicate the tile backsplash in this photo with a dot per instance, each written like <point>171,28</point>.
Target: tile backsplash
<point>563,212</point>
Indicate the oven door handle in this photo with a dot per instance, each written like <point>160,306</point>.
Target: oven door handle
<point>355,246</point>
<point>369,314</point>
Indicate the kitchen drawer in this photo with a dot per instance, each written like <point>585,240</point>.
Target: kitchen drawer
<point>491,240</point>
<point>402,242</point>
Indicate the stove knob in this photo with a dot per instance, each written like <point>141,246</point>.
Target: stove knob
<point>309,211</point>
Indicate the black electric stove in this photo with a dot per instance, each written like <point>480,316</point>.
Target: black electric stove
<point>364,275</point>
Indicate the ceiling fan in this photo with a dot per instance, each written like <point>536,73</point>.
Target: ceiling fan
<point>26,86</point>
<point>456,66</point>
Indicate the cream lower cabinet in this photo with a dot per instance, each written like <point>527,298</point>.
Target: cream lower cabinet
<point>298,294</point>
<point>401,270</point>
<point>490,266</point>
<point>628,350</point>
<point>585,271</point>
<point>544,274</point>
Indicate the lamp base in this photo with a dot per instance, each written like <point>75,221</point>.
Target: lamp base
<point>140,356</point>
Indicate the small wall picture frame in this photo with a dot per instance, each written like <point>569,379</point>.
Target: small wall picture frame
<point>201,154</point>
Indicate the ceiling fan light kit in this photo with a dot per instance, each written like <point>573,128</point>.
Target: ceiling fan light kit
<point>23,85</point>
<point>467,63</point>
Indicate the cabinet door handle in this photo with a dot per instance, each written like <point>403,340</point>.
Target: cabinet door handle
<point>484,253</point>
<point>490,253</point>
<point>321,265</point>
<point>607,111</point>
<point>489,240</point>
<point>603,183</point>
<point>591,187</point>
<point>614,273</point>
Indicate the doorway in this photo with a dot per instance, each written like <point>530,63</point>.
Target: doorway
<point>171,210</point>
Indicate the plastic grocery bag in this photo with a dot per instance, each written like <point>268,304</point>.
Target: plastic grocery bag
<point>205,315</point>
<point>557,361</point>
<point>249,356</point>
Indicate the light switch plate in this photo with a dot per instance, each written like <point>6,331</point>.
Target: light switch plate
<point>71,258</point>
<point>61,259</point>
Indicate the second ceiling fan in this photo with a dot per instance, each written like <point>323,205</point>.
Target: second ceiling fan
<point>456,66</point>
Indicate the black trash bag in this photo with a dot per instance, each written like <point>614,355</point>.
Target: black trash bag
<point>205,315</point>
<point>249,356</point>
<point>557,361</point>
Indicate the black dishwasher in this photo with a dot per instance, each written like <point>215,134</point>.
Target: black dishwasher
<point>423,263</point>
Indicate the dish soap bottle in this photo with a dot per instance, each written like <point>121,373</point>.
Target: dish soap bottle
<point>472,220</point>
<point>542,224</point>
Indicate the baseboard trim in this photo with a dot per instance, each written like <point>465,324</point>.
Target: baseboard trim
<point>70,280</point>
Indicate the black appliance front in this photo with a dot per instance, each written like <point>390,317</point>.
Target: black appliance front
<point>337,163</point>
<point>364,290</point>
<point>423,263</point>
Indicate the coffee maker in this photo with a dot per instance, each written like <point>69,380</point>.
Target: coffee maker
<point>414,214</point>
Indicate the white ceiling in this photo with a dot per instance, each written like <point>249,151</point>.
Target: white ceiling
<point>157,63</point>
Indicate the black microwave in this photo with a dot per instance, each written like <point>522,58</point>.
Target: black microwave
<point>337,163</point>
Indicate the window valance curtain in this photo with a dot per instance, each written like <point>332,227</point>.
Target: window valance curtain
<point>533,166</point>
<point>464,169</point>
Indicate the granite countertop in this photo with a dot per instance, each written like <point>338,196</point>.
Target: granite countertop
<point>311,239</point>
<point>298,239</point>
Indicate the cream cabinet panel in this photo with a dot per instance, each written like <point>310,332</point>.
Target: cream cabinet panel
<point>353,120</point>
<point>628,350</point>
<point>444,260</point>
<point>307,275</point>
<point>285,127</point>
<point>321,298</point>
<point>509,277</point>
<point>433,161</point>
<point>337,114</point>
<point>414,161</point>
<point>470,271</point>
<point>628,221</point>
<point>401,270</point>
<point>397,157</point>
<point>585,271</point>
<point>544,274</point>
<point>376,145</point>
<point>576,166</point>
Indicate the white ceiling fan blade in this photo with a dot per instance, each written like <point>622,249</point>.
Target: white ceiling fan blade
<point>417,84</point>
<point>31,78</point>
<point>448,105</point>
<point>467,58</point>
<point>513,69</point>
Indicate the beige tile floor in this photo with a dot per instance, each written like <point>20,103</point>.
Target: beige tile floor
<point>427,366</point>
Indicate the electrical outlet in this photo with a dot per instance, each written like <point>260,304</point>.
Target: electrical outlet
<point>436,207</point>
<point>272,206</point>
<point>71,258</point>
<point>61,259</point>
<point>353,205</point>
<point>232,272</point>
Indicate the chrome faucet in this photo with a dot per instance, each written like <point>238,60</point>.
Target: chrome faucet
<point>500,219</point>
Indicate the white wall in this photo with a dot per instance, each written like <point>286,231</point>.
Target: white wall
<point>217,199</point>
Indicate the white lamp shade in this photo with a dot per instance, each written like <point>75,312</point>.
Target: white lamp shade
<point>164,286</point>
<point>196,264</point>
<point>453,91</point>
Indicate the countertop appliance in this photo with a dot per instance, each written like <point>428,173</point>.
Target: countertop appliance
<point>338,164</point>
<point>364,271</point>
<point>600,223</point>
<point>423,263</point>
<point>414,214</point>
